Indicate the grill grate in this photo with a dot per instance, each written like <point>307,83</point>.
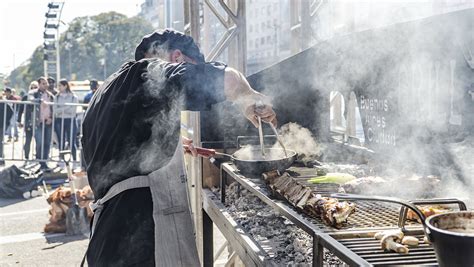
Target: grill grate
<point>369,217</point>
<point>369,249</point>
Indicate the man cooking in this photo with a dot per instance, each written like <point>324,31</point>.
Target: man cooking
<point>134,156</point>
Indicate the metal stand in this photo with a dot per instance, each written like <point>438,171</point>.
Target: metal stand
<point>208,240</point>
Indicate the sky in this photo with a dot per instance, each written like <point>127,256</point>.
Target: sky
<point>22,24</point>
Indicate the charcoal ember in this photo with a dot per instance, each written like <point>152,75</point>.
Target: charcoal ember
<point>266,214</point>
<point>275,229</point>
<point>266,225</point>
<point>299,245</point>
<point>299,258</point>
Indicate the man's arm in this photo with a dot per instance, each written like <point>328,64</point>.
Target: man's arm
<point>238,90</point>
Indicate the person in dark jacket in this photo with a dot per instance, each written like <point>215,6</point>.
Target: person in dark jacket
<point>94,85</point>
<point>28,122</point>
<point>10,95</point>
<point>6,114</point>
<point>52,86</point>
<point>131,133</point>
<point>41,115</point>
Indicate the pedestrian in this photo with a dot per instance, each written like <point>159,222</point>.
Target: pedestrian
<point>6,113</point>
<point>42,116</point>
<point>132,148</point>
<point>94,85</point>
<point>28,122</point>
<point>65,118</point>
<point>52,86</point>
<point>10,95</point>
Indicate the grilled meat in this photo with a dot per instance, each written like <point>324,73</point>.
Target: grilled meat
<point>427,211</point>
<point>365,185</point>
<point>330,210</point>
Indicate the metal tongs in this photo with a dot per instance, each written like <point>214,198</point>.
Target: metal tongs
<point>260,105</point>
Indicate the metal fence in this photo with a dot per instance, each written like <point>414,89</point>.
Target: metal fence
<point>39,140</point>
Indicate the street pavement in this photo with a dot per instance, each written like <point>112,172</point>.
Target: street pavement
<point>22,242</point>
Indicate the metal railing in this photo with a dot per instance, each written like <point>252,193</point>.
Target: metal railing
<point>39,140</point>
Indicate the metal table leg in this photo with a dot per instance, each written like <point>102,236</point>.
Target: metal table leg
<point>318,252</point>
<point>208,240</point>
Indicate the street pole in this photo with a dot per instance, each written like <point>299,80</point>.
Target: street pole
<point>58,62</point>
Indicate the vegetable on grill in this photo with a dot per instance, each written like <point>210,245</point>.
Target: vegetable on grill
<point>335,177</point>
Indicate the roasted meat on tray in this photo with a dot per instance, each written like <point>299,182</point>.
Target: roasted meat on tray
<point>330,210</point>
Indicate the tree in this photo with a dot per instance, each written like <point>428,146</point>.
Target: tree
<point>84,46</point>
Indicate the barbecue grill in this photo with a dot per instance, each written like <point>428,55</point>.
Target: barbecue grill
<point>302,96</point>
<point>353,243</point>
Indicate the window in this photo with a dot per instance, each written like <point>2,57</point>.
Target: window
<point>250,28</point>
<point>262,40</point>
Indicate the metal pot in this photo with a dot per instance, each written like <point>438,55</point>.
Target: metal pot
<point>249,160</point>
<point>451,233</point>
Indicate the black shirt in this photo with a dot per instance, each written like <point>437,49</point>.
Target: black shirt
<point>131,126</point>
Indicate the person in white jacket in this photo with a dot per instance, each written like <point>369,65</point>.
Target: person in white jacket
<point>65,125</point>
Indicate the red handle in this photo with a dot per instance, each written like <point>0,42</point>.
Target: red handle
<point>205,152</point>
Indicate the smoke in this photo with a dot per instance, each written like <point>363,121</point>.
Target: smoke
<point>300,140</point>
<point>163,118</point>
<point>410,80</point>
<point>164,124</point>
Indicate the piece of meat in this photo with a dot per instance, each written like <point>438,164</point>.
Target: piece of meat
<point>427,211</point>
<point>304,198</point>
<point>365,185</point>
<point>295,199</point>
<point>292,194</point>
<point>330,210</point>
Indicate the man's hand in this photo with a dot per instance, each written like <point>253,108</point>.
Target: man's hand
<point>265,112</point>
<point>48,121</point>
<point>189,142</point>
<point>238,91</point>
<point>20,125</point>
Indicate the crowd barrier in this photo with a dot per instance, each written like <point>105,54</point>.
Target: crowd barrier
<point>37,140</point>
